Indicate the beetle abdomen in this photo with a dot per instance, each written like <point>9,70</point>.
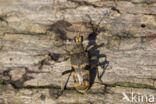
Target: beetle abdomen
<point>81,81</point>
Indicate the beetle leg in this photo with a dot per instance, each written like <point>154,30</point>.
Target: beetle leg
<point>63,86</point>
<point>66,72</point>
<point>63,73</point>
<point>68,53</point>
<point>65,57</point>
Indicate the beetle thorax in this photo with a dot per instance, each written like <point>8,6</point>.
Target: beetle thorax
<point>78,48</point>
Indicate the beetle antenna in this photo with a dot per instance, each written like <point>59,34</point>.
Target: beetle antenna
<point>80,28</point>
<point>75,31</point>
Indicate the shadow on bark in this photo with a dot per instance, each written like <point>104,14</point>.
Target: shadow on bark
<point>19,83</point>
<point>94,62</point>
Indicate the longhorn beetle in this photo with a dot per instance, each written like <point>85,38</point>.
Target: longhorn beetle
<point>80,65</point>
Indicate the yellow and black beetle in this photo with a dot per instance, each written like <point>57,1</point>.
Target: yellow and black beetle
<point>80,66</point>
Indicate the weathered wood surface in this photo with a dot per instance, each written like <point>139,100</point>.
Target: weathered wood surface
<point>32,30</point>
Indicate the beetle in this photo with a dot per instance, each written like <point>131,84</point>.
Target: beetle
<point>80,66</point>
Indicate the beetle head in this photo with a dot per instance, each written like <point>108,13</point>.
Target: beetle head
<point>78,39</point>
